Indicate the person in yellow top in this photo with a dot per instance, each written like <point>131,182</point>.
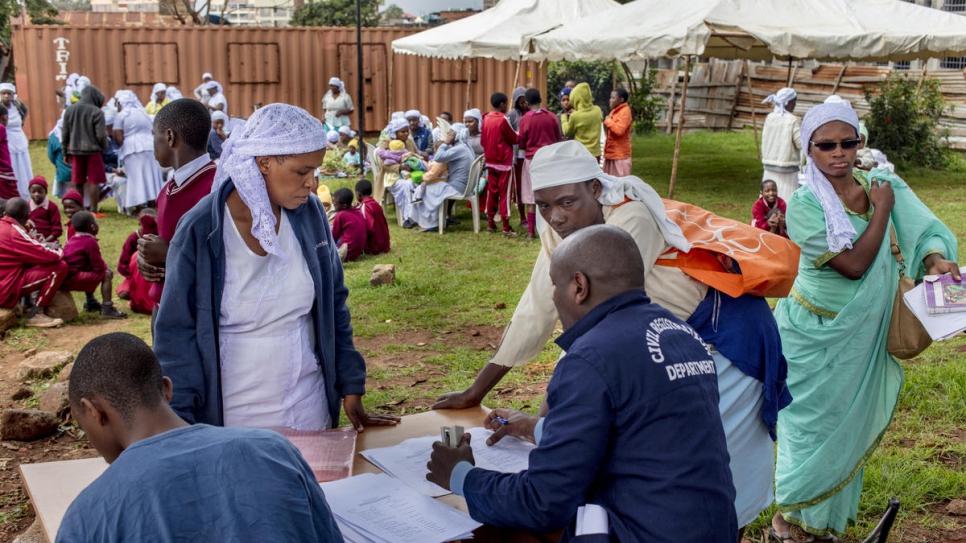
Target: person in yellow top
<point>584,122</point>
<point>159,99</point>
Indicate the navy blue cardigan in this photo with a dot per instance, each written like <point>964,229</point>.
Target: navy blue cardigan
<point>186,330</point>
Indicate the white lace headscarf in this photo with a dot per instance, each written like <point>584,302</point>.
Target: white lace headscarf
<point>158,87</point>
<point>173,93</point>
<point>461,131</point>
<point>273,130</point>
<point>839,230</point>
<point>781,99</point>
<point>128,100</point>
<point>394,126</point>
<point>569,162</point>
<point>336,82</point>
<point>347,131</point>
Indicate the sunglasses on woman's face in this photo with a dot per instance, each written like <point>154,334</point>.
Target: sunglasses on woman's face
<point>827,146</point>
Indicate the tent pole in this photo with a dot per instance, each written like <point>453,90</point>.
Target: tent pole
<point>469,81</point>
<point>845,66</point>
<point>754,119</point>
<point>677,138</point>
<point>670,102</point>
<point>516,76</point>
<point>789,83</point>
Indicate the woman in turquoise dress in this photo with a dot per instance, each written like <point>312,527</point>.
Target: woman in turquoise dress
<point>835,323</point>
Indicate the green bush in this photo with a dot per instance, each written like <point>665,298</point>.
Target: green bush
<point>599,75</point>
<point>644,105</point>
<point>904,121</point>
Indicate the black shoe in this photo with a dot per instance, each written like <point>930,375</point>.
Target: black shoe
<point>92,306</point>
<point>109,312</point>
<point>452,222</point>
<point>409,224</point>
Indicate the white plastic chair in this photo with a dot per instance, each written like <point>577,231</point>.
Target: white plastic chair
<point>476,169</point>
<point>377,173</point>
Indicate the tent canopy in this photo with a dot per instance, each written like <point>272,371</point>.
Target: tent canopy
<point>869,30</point>
<point>498,32</point>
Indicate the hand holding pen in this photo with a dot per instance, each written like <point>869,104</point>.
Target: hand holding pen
<point>509,422</point>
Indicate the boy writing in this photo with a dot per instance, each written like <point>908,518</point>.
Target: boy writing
<point>27,266</point>
<point>377,229</point>
<point>349,226</point>
<point>498,139</point>
<point>86,269</point>
<point>174,482</point>
<point>44,213</point>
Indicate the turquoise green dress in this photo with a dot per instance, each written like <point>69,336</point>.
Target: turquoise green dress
<point>844,384</point>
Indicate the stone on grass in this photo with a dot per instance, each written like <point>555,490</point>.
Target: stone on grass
<point>62,307</point>
<point>957,507</point>
<point>8,320</point>
<point>54,400</point>
<point>43,364</point>
<point>382,274</point>
<point>21,393</point>
<point>27,424</point>
<point>64,374</point>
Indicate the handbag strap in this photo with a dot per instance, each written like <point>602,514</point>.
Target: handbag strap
<point>896,251</point>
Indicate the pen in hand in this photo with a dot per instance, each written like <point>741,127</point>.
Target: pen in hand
<point>501,420</point>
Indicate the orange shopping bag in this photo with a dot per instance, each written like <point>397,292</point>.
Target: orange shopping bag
<point>766,263</point>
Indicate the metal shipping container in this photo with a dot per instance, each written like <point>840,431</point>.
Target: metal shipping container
<point>291,65</point>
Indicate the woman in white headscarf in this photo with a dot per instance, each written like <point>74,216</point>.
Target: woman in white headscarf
<point>253,326</point>
<point>159,99</point>
<point>781,148</point>
<point>473,120</point>
<point>397,129</point>
<point>458,158</point>
<point>201,91</point>
<point>132,132</point>
<point>337,105</point>
<point>16,138</point>
<point>835,323</point>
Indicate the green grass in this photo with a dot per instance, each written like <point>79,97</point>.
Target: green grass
<point>456,281</point>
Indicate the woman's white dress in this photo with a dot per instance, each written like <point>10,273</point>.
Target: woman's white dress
<point>331,105</point>
<point>269,373</point>
<point>144,180</point>
<point>19,152</point>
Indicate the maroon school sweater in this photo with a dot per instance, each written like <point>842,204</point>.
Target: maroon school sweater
<point>47,220</point>
<point>175,201</point>
<point>349,227</point>
<point>83,254</point>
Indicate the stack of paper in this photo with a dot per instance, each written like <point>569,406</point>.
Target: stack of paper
<point>940,326</point>
<point>375,508</point>
<point>407,461</point>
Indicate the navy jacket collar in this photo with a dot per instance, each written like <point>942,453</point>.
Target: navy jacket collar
<point>597,314</point>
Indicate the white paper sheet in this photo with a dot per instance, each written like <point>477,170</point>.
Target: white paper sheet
<point>407,460</point>
<point>940,327</point>
<point>377,508</point>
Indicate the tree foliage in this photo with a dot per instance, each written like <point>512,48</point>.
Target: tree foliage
<point>644,105</point>
<point>392,12</point>
<point>904,121</point>
<point>599,75</point>
<point>335,13</point>
<point>39,12</point>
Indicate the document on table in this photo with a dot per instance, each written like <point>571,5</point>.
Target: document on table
<point>376,508</point>
<point>940,327</point>
<point>407,460</point>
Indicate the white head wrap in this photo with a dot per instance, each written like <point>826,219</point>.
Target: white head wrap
<point>332,136</point>
<point>838,228</point>
<point>461,131</point>
<point>336,82</point>
<point>569,162</point>
<point>836,99</point>
<point>414,113</point>
<point>82,83</point>
<point>206,75</point>
<point>396,125</point>
<point>219,116</point>
<point>173,93</point>
<point>72,80</point>
<point>214,83</point>
<point>347,131</point>
<point>8,87</point>
<point>475,113</point>
<point>128,100</point>
<point>273,130</point>
<point>781,99</point>
<point>397,115</point>
<point>158,87</point>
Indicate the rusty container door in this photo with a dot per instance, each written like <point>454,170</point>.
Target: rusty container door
<point>375,73</point>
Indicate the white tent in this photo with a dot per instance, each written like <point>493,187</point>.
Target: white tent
<point>869,30</point>
<point>498,32</point>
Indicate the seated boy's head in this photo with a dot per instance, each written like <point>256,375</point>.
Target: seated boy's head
<point>352,149</point>
<point>38,189</point>
<point>342,199</point>
<point>18,210</point>
<point>363,189</point>
<point>115,378</point>
<point>84,221</point>
<point>324,196</point>
<point>72,202</point>
<point>769,191</point>
<point>182,126</point>
<point>397,145</point>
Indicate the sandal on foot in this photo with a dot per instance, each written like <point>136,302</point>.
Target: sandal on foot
<point>774,535</point>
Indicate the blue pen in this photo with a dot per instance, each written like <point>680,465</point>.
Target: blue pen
<point>501,420</point>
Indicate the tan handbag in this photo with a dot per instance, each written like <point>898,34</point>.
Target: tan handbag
<point>907,336</point>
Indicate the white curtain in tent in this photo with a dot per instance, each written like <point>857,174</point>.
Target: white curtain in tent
<point>499,32</point>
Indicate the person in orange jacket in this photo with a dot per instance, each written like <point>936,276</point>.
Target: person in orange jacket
<point>617,149</point>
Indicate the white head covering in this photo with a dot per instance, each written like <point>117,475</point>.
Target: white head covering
<point>347,131</point>
<point>475,113</point>
<point>569,162</point>
<point>8,87</point>
<point>59,127</point>
<point>206,75</point>
<point>173,93</point>
<point>396,125</point>
<point>839,230</point>
<point>211,83</point>
<point>781,99</point>
<point>836,99</point>
<point>219,116</point>
<point>397,115</point>
<point>273,130</point>
<point>414,113</point>
<point>82,83</point>
<point>336,82</point>
<point>72,80</point>
<point>461,131</point>
<point>158,87</point>
<point>332,136</point>
<point>128,100</point>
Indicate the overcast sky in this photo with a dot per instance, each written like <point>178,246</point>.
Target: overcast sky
<point>419,7</point>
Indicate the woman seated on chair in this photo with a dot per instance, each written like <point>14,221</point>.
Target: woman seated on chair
<point>458,158</point>
<point>385,175</point>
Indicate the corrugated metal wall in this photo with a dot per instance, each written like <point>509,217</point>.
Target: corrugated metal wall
<point>291,65</point>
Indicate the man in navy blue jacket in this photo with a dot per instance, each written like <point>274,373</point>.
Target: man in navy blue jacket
<point>633,425</point>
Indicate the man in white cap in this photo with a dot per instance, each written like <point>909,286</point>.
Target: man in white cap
<point>422,136</point>
<point>571,193</point>
<point>781,145</point>
<point>201,91</point>
<point>16,139</point>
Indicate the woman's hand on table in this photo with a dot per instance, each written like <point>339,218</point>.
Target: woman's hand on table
<point>517,424</point>
<point>935,264</point>
<point>358,416</point>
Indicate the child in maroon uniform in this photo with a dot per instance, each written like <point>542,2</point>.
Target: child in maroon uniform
<point>181,142</point>
<point>538,128</point>
<point>769,210</point>
<point>497,139</point>
<point>72,202</point>
<point>8,181</point>
<point>349,226</point>
<point>377,229</point>
<point>86,269</point>
<point>134,288</point>
<point>44,213</point>
<point>27,266</point>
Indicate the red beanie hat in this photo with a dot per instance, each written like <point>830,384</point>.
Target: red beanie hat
<point>38,180</point>
<point>72,194</point>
